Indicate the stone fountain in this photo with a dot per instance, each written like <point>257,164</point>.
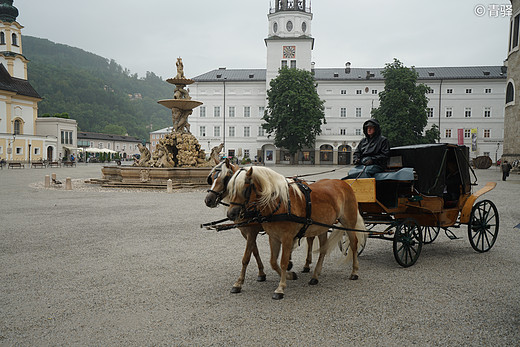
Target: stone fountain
<point>178,156</point>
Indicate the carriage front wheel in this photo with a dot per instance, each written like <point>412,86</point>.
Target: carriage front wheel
<point>483,226</point>
<point>408,242</point>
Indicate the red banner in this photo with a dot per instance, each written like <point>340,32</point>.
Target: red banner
<point>460,136</point>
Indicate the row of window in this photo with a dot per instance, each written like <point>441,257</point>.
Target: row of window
<point>431,91</point>
<point>19,150</point>
<point>448,112</point>
<point>486,133</point>
<point>231,131</point>
<point>14,39</point>
<point>66,137</point>
<point>246,111</point>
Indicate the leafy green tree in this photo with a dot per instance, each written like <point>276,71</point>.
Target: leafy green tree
<point>295,111</point>
<point>402,110</point>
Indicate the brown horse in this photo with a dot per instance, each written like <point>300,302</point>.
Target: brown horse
<point>271,194</point>
<point>218,178</point>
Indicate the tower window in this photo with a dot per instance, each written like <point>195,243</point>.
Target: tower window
<point>17,127</point>
<point>284,63</point>
<point>15,39</point>
<point>293,64</point>
<point>2,38</point>
<point>510,93</point>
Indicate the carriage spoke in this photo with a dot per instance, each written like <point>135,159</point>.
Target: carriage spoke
<point>483,226</point>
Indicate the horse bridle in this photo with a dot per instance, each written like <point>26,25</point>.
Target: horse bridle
<point>219,195</point>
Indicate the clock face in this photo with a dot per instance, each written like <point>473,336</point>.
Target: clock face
<point>304,26</point>
<point>289,26</point>
<point>275,27</point>
<point>289,52</point>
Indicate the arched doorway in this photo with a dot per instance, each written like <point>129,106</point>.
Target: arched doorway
<point>326,152</point>
<point>50,151</point>
<point>344,155</point>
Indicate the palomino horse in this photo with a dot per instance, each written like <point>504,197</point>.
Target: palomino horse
<point>218,178</point>
<point>272,195</point>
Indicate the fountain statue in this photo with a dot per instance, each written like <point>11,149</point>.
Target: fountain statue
<point>178,148</point>
<point>178,156</point>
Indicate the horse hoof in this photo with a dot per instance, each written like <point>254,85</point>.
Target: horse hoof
<point>289,267</point>
<point>260,278</point>
<point>236,290</point>
<point>277,296</point>
<point>313,281</point>
<point>306,269</point>
<point>293,276</point>
<point>354,277</point>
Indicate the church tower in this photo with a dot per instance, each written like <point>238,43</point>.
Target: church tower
<point>11,41</point>
<point>289,42</point>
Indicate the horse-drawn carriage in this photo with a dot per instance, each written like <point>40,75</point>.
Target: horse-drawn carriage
<point>428,190</point>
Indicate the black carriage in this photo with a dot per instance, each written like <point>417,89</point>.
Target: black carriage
<point>426,189</point>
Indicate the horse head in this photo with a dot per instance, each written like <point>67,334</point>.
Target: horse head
<point>261,189</point>
<point>240,189</point>
<point>218,178</point>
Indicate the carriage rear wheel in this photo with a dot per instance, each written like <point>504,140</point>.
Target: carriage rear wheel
<point>408,242</point>
<point>430,234</point>
<point>483,226</point>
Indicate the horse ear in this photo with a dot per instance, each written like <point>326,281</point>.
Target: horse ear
<point>228,164</point>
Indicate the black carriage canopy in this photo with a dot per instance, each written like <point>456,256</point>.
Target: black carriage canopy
<point>431,162</point>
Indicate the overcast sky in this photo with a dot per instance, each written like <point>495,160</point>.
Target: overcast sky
<point>149,35</point>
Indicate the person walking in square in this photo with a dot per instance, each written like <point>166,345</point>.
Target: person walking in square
<point>505,167</point>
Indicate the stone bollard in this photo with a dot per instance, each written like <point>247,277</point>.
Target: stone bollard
<point>68,184</point>
<point>47,181</point>
<point>169,186</point>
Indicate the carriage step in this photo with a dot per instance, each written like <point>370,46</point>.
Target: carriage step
<point>450,234</point>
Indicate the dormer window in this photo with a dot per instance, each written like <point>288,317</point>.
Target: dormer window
<point>14,39</point>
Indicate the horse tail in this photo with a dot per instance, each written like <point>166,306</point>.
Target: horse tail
<point>360,235</point>
<point>336,238</point>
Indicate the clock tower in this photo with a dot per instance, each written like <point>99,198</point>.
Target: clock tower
<point>289,42</point>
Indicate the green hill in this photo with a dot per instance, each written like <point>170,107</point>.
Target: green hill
<point>94,90</point>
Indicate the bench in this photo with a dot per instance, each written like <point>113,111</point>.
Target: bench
<point>15,165</point>
<point>69,163</point>
<point>38,164</point>
<point>54,164</point>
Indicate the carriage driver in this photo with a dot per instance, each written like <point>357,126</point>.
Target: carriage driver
<point>371,155</point>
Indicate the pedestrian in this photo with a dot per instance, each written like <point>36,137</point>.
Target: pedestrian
<point>372,153</point>
<point>505,167</point>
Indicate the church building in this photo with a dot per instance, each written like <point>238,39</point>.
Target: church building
<point>466,102</point>
<point>20,138</point>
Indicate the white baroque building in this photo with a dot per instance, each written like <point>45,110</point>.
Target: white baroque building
<point>467,103</point>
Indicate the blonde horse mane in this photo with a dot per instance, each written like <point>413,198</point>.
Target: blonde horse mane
<point>271,187</point>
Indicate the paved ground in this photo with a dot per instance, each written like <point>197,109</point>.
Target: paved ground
<point>133,268</point>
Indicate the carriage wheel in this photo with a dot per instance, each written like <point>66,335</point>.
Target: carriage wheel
<point>407,242</point>
<point>483,226</point>
<point>430,234</point>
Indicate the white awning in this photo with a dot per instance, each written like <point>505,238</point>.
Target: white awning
<point>99,150</point>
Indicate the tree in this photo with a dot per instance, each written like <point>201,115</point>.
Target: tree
<point>295,111</point>
<point>402,110</point>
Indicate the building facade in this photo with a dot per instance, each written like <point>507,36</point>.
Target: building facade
<point>467,103</point>
<point>512,107</point>
<point>125,146</point>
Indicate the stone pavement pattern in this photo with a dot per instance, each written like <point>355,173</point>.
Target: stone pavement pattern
<point>133,268</point>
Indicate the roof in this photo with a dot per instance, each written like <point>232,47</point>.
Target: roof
<point>107,137</point>
<point>16,85</point>
<point>339,74</point>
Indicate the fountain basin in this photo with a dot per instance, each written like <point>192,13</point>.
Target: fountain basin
<point>182,104</point>
<point>152,177</point>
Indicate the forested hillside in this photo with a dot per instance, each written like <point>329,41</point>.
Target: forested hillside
<point>95,90</point>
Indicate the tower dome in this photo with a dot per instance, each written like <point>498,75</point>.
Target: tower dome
<point>8,12</point>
